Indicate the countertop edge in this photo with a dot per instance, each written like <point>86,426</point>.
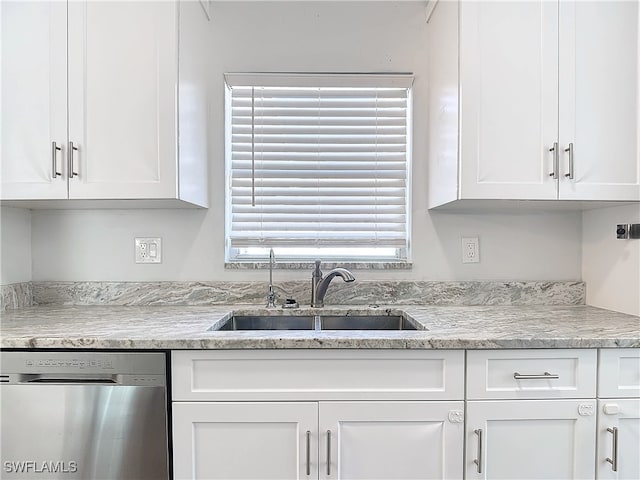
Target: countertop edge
<point>445,327</point>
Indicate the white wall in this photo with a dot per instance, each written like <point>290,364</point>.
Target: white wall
<point>314,37</point>
<point>15,245</point>
<point>611,267</point>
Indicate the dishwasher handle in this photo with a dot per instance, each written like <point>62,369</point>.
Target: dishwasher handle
<point>80,379</point>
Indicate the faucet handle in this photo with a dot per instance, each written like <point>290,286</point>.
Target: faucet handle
<point>317,272</point>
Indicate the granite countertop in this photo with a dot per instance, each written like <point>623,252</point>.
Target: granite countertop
<point>189,327</point>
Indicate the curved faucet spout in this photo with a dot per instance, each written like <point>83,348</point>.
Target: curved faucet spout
<point>343,273</point>
<point>319,284</point>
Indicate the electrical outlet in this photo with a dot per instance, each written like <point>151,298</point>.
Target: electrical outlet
<point>148,249</point>
<point>470,250</point>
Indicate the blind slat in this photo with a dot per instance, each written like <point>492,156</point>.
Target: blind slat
<point>325,148</point>
<point>322,192</point>
<point>371,112</point>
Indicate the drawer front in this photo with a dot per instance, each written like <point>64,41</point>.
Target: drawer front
<point>241,375</point>
<point>531,374</point>
<point>619,373</point>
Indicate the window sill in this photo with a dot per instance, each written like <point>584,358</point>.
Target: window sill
<point>325,265</point>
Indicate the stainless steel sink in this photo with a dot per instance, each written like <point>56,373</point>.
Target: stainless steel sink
<point>317,322</point>
<point>369,322</point>
<point>288,322</point>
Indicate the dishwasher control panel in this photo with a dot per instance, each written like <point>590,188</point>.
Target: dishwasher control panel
<point>112,363</point>
<point>70,363</point>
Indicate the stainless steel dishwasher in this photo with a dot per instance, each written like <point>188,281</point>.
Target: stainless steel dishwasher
<point>83,415</point>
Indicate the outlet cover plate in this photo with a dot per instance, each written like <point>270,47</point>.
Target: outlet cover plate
<point>470,250</point>
<point>148,249</point>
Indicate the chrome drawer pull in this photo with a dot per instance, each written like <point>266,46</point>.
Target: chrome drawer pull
<point>54,159</point>
<point>545,376</point>
<point>569,149</point>
<point>556,157</point>
<point>478,461</point>
<point>308,452</point>
<point>614,449</point>
<point>328,453</point>
<point>72,148</point>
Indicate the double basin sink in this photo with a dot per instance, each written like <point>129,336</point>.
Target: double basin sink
<point>318,322</point>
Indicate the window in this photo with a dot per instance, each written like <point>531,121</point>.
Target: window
<point>317,166</point>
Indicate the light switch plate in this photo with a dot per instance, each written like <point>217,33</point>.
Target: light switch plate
<point>148,249</point>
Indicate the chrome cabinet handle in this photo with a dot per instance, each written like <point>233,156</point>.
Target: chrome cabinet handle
<point>556,157</point>
<point>570,150</point>
<point>478,460</point>
<point>72,148</point>
<point>328,453</point>
<point>614,449</point>
<point>54,159</point>
<point>545,376</point>
<point>308,453</point>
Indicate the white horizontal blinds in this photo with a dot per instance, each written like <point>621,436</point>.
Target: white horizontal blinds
<point>319,165</point>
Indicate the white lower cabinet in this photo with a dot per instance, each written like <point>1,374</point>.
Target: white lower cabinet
<point>619,414</point>
<point>326,440</point>
<point>531,414</point>
<point>215,440</point>
<point>400,414</point>
<point>391,440</point>
<point>619,438</point>
<point>318,414</point>
<point>531,439</point>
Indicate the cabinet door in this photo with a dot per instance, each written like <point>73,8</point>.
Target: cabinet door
<point>619,418</point>
<point>34,99</point>
<point>509,99</point>
<point>122,99</point>
<point>383,440</point>
<point>531,439</point>
<point>245,440</point>
<point>599,101</point>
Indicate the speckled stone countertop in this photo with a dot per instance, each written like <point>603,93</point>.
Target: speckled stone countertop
<point>187,327</point>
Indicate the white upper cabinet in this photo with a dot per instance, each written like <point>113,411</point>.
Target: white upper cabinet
<point>509,98</point>
<point>599,100</point>
<point>534,101</point>
<point>118,130</point>
<point>33,103</point>
<point>122,99</point>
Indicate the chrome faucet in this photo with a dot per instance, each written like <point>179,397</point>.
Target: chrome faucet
<point>319,284</point>
<point>271,294</point>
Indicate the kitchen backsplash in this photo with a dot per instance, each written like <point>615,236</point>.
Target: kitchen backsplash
<point>16,295</point>
<point>357,293</point>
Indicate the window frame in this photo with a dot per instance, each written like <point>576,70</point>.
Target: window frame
<point>234,256</point>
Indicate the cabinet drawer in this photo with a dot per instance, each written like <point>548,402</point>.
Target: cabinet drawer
<point>619,373</point>
<point>522,374</point>
<point>318,375</point>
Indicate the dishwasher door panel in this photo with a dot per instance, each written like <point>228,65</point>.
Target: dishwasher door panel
<point>71,431</point>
